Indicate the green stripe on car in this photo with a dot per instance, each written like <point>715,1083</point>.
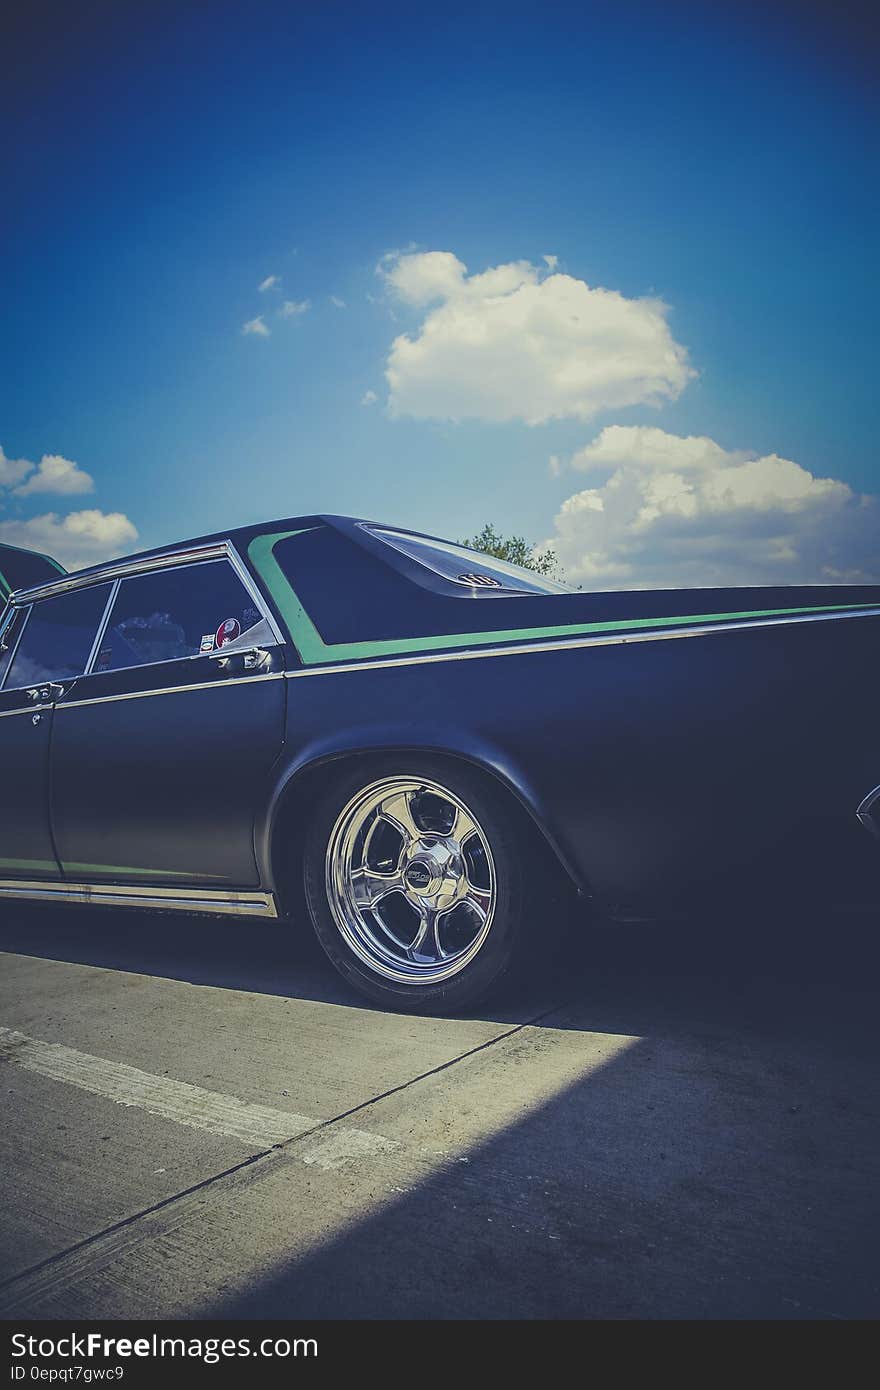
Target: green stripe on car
<point>313,649</point>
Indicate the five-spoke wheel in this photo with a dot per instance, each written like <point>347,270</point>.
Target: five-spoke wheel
<point>411,880</point>
<point>414,876</point>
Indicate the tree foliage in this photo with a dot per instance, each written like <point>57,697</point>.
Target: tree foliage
<point>515,549</point>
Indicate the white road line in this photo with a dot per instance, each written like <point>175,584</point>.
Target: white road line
<point>259,1126</point>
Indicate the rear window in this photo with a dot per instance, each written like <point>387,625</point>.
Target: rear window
<point>471,568</point>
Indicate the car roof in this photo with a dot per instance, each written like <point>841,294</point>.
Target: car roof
<point>240,536</point>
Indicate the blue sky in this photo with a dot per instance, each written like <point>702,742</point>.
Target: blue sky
<point>168,159</point>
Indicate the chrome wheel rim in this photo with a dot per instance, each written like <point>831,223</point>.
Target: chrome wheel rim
<point>411,880</point>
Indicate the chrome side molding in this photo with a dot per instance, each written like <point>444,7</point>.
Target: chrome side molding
<point>869,812</point>
<point>213,900</point>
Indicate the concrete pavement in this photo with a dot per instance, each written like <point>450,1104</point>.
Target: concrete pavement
<point>200,1120</point>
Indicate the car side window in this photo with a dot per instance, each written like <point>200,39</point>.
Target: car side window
<point>9,633</point>
<point>191,610</point>
<point>58,637</point>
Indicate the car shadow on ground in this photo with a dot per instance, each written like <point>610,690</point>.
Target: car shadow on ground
<point>721,1161</point>
<point>698,1181</point>
<point>740,968</point>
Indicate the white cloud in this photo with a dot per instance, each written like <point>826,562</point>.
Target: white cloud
<point>76,540</point>
<point>424,276</point>
<point>271,282</point>
<point>668,511</point>
<point>369,398</point>
<point>13,470</point>
<point>337,302</point>
<point>291,307</point>
<point>256,326</point>
<point>59,475</point>
<point>521,342</point>
<point>551,261</point>
<point>554,467</point>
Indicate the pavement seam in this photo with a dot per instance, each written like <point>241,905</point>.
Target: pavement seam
<point>188,1197</point>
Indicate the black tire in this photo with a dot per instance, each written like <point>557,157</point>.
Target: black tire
<point>508,834</point>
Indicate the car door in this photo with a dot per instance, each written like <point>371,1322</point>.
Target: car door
<point>162,752</point>
<point>43,648</point>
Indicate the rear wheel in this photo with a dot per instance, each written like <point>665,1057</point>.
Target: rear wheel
<point>415,880</point>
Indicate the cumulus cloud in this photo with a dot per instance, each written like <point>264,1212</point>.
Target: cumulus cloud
<point>13,470</point>
<point>291,307</point>
<point>256,326</point>
<point>52,474</point>
<point>56,474</point>
<point>337,302</point>
<point>669,511</point>
<point>523,342</point>
<point>270,283</point>
<point>369,398</point>
<point>76,540</point>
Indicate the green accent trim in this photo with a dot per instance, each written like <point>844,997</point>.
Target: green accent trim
<point>313,649</point>
<point>38,864</point>
<point>4,587</point>
<point>119,869</point>
<point>71,866</point>
<point>261,554</point>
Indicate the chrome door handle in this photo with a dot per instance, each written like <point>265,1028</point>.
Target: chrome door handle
<point>250,660</point>
<point>47,693</point>
<point>254,659</point>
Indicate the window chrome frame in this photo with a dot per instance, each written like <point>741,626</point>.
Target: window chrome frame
<point>13,609</point>
<point>102,626</point>
<point>116,573</point>
<point>5,619</point>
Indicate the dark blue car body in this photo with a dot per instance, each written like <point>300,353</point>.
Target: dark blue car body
<point>669,746</point>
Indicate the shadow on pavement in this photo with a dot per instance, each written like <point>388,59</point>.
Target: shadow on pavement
<point>816,973</point>
<point>724,1164</point>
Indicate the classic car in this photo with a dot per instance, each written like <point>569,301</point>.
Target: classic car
<point>423,743</point>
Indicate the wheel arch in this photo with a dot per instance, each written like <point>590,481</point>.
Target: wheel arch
<point>304,778</point>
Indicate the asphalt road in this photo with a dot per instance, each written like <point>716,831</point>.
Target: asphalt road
<point>198,1120</point>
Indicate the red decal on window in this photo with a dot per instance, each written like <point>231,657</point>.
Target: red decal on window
<point>227,632</point>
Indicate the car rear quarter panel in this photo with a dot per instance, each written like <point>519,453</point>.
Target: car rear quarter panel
<point>662,771</point>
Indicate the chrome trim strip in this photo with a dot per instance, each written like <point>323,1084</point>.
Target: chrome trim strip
<point>102,626</point>
<point>165,690</point>
<point>25,709</point>
<point>121,569</point>
<point>866,815</point>
<point>559,644</point>
<point>250,904</point>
